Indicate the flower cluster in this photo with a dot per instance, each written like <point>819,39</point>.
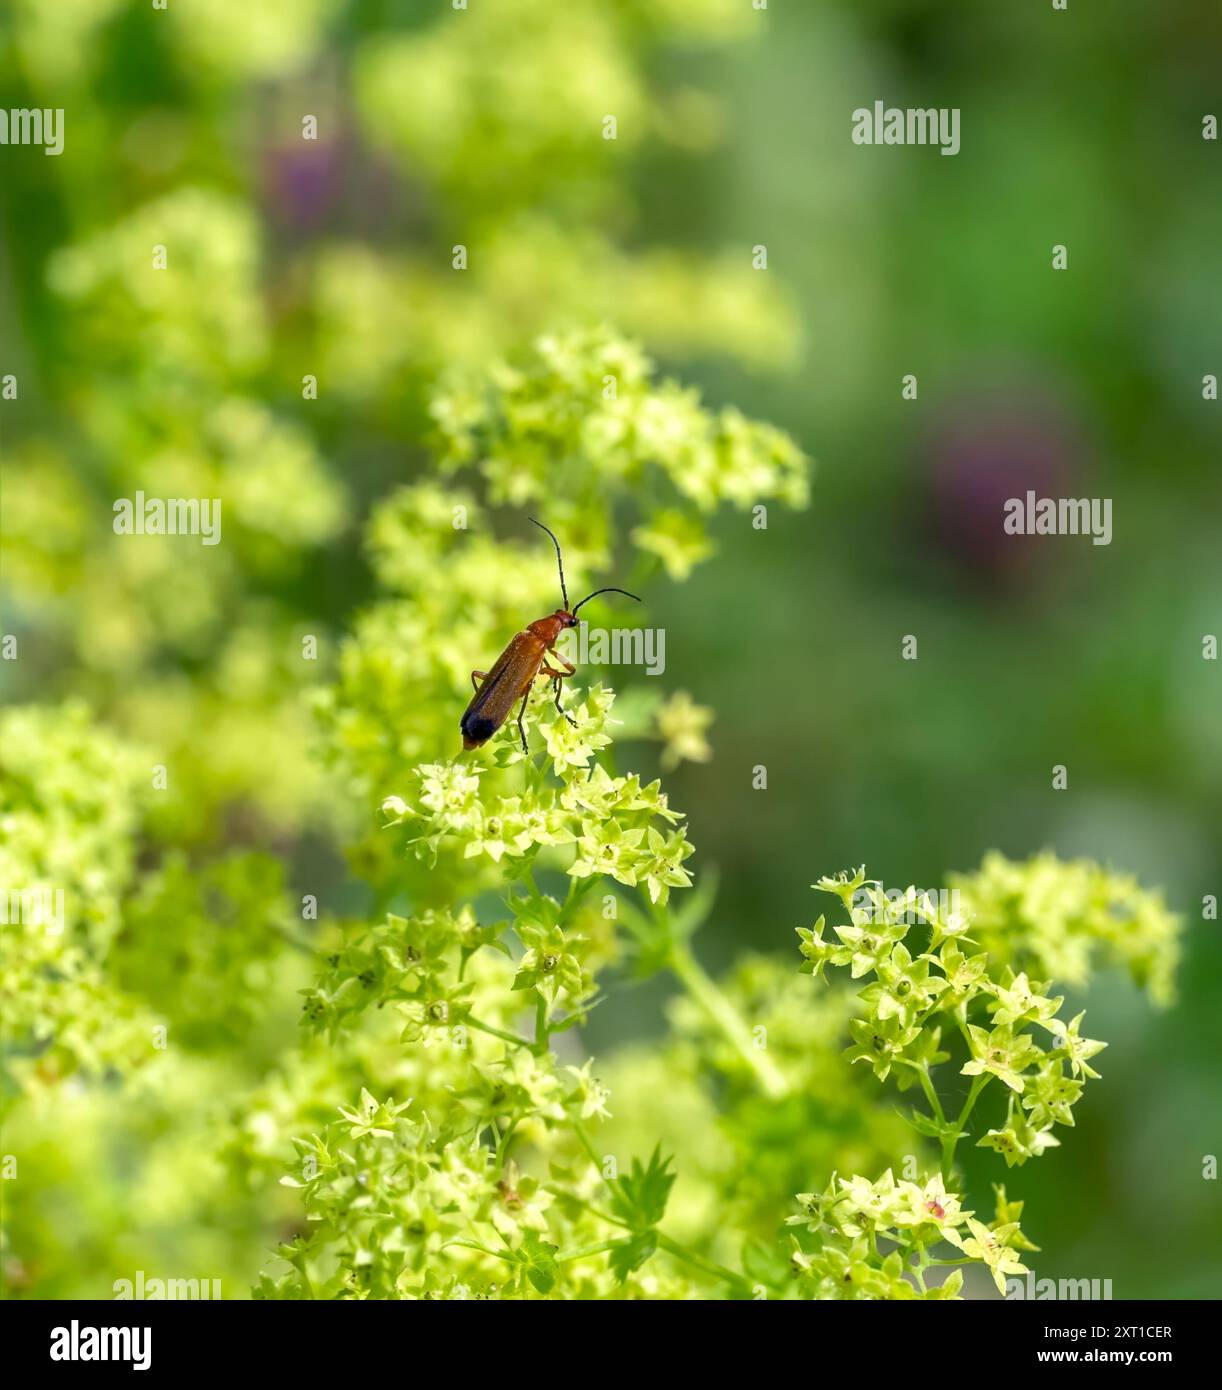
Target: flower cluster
<point>1057,918</point>
<point>68,820</point>
<point>618,826</point>
<point>1009,1024</point>
<point>447,1202</point>
<point>406,1211</point>
<point>876,1240</point>
<point>516,428</point>
<point>590,396</point>
<point>919,1006</point>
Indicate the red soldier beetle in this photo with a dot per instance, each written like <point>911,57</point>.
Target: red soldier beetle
<point>518,666</point>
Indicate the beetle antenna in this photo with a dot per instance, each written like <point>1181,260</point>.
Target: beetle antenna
<point>596,593</point>
<point>559,562</point>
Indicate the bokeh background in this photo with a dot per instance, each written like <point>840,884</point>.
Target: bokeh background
<point>332,257</point>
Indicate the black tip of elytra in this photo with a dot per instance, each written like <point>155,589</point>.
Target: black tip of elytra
<point>478,729</point>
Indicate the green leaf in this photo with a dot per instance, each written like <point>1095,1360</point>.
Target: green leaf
<point>640,1196</point>
<point>927,1125</point>
<point>538,1260</point>
<point>629,1255</point>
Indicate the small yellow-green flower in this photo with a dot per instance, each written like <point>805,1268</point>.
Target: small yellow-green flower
<point>682,725</point>
<point>1001,1053</point>
<point>373,1117</point>
<point>548,965</point>
<point>1077,1049</point>
<point>992,1248</point>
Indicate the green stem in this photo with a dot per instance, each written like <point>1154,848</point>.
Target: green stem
<point>507,1255</point>
<point>605,1216</point>
<point>691,975</point>
<point>587,1143</point>
<point>541,1029</point>
<point>951,1142</point>
<point>475,1245</point>
<point>598,1249</point>
<point>922,1071</point>
<point>919,1272</point>
<point>711,1267</point>
<point>528,878</point>
<point>578,888</point>
<point>511,1038</point>
<point>502,1148</point>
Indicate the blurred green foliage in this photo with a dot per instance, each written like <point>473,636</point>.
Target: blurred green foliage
<point>334,258</point>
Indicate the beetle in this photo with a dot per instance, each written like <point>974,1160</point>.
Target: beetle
<point>518,666</point>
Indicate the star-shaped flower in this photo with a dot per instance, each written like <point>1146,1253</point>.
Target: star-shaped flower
<point>904,988</point>
<point>1020,1002</point>
<point>990,1247</point>
<point>879,1043</point>
<point>1018,1141</point>
<point>1077,1049</point>
<point>870,943</point>
<point>1000,1053</point>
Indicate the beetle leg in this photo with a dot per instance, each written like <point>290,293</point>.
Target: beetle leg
<point>565,712</point>
<point>476,677</point>
<point>556,677</point>
<point>521,712</point>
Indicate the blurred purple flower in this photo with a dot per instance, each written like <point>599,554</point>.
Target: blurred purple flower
<point>302,181</point>
<point>316,185</point>
<point>1005,442</point>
